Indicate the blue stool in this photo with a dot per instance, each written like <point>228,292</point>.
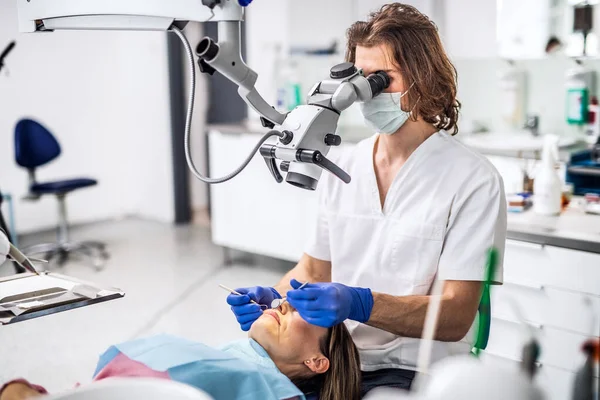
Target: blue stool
<point>34,147</point>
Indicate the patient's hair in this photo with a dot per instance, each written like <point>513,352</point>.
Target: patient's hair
<point>342,380</point>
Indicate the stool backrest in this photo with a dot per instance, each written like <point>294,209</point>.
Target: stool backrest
<point>34,144</point>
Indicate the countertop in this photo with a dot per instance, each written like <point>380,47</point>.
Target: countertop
<point>573,229</point>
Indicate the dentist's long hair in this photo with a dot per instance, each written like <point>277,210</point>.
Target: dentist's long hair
<point>342,379</point>
<point>417,52</point>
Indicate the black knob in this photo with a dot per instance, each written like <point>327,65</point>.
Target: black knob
<point>285,166</point>
<point>207,49</point>
<point>287,138</point>
<point>266,123</point>
<point>332,140</point>
<point>211,3</point>
<point>342,70</point>
<point>205,68</point>
<point>268,153</point>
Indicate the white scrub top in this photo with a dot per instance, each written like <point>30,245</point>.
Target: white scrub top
<point>443,211</point>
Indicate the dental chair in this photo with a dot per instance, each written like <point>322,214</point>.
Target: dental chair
<point>132,389</point>
<point>34,147</point>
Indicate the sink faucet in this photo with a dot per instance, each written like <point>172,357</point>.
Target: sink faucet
<point>532,124</point>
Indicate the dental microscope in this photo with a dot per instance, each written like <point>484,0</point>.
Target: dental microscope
<point>305,134</point>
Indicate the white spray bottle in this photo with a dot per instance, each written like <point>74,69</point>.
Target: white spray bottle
<point>547,186</point>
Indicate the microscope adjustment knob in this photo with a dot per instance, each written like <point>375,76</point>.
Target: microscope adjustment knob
<point>285,166</point>
<point>266,123</point>
<point>343,70</point>
<point>287,138</point>
<point>205,68</point>
<point>211,3</point>
<point>332,140</point>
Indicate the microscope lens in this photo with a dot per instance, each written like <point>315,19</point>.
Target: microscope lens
<point>379,81</point>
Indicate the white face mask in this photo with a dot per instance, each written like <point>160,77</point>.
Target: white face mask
<point>383,113</point>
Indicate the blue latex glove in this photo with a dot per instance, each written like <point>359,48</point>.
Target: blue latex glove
<point>245,312</point>
<point>328,304</point>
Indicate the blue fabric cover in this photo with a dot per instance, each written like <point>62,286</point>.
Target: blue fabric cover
<point>34,144</point>
<point>239,371</point>
<point>62,186</point>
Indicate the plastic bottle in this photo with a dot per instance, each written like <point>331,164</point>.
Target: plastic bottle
<point>580,81</point>
<point>512,82</point>
<point>547,186</point>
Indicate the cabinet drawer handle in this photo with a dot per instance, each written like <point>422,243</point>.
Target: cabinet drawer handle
<point>561,289</point>
<point>503,318</point>
<point>525,245</point>
<point>532,286</point>
<point>510,358</point>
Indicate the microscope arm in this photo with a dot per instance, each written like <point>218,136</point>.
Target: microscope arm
<point>224,56</point>
<point>306,133</point>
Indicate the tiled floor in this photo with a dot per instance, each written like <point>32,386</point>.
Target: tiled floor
<point>170,276</point>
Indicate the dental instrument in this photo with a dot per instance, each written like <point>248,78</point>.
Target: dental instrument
<point>8,250</point>
<point>5,53</point>
<point>278,302</point>
<point>305,134</point>
<point>239,294</point>
<point>27,296</point>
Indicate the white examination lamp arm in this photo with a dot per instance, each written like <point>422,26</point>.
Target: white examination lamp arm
<point>49,15</point>
<point>160,15</point>
<point>226,58</point>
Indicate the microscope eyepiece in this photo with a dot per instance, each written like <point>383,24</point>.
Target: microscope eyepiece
<point>207,49</point>
<point>379,81</point>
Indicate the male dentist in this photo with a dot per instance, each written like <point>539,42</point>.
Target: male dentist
<point>421,206</point>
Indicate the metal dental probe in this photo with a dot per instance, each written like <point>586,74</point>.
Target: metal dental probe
<point>278,302</point>
<point>239,294</point>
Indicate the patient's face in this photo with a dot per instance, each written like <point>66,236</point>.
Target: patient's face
<point>286,336</point>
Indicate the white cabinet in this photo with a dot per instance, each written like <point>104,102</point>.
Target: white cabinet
<point>332,17</point>
<point>469,28</point>
<point>547,266</point>
<point>428,7</point>
<point>548,307</point>
<point>253,212</point>
<point>523,28</point>
<point>555,383</point>
<point>557,292</point>
<point>560,348</point>
<point>511,29</point>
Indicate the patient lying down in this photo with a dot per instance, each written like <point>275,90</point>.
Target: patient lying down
<point>284,358</point>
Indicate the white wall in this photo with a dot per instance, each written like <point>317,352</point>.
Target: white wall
<point>308,23</point>
<point>469,28</point>
<point>105,96</point>
<point>266,27</point>
<point>479,93</point>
